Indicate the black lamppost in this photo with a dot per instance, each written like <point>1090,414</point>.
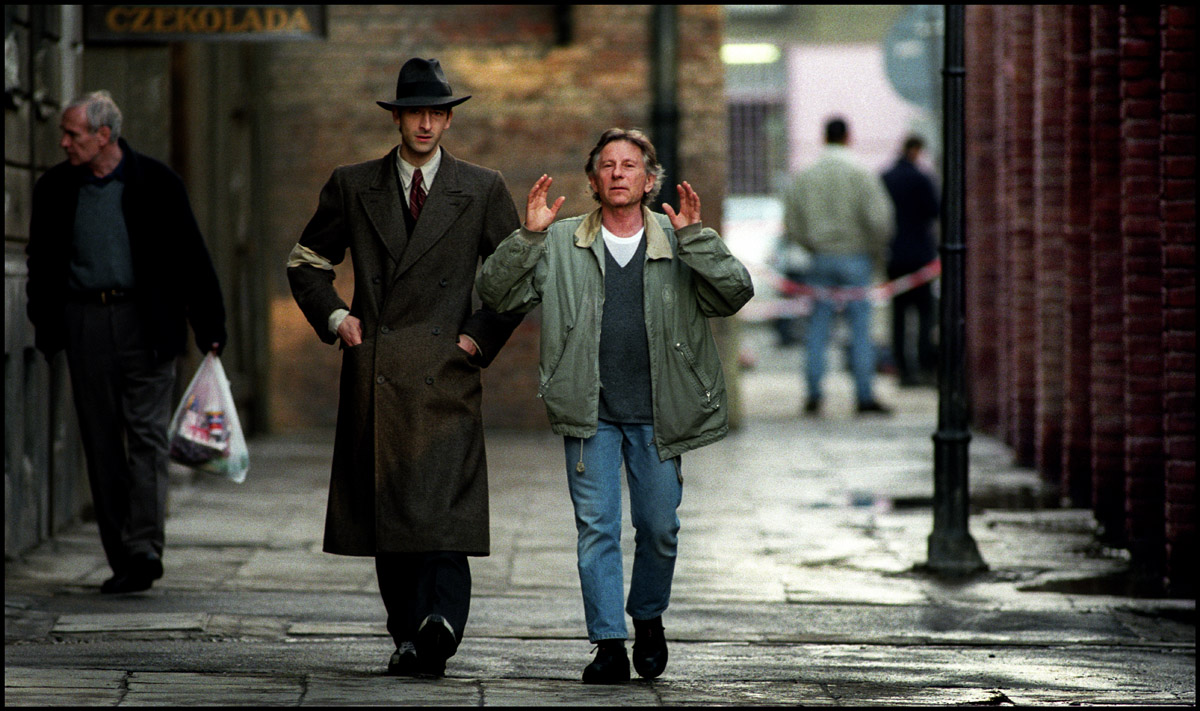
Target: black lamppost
<point>665,108</point>
<point>951,548</point>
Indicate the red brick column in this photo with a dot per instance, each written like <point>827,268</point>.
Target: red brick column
<point>983,238</point>
<point>1017,34</point>
<point>1077,365</point>
<point>1108,354</point>
<point>1143,282</point>
<point>1178,175</point>
<point>1049,249</point>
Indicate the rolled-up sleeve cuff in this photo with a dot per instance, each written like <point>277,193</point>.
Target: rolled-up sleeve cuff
<point>335,320</point>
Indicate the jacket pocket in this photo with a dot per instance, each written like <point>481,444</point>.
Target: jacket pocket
<point>552,367</point>
<point>703,389</point>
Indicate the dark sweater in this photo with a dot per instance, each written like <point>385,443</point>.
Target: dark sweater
<point>625,390</point>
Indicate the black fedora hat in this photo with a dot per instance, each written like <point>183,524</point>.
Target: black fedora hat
<point>422,83</point>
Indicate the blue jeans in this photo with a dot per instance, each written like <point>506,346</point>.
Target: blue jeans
<point>841,271</point>
<point>655,491</point>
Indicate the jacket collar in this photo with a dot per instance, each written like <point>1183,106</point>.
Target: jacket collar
<point>658,246</point>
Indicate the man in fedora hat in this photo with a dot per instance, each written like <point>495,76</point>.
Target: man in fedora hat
<point>409,481</point>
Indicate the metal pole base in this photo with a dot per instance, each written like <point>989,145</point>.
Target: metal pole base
<point>954,554</point>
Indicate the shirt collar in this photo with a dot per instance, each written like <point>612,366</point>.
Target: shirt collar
<point>428,171</point>
<point>87,177</point>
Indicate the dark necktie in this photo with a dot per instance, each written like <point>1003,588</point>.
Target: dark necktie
<point>416,198</point>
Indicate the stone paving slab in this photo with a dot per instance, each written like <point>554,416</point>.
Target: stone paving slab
<point>132,622</point>
<point>194,689</point>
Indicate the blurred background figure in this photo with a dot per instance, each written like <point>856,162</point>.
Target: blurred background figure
<point>916,204</point>
<point>839,211</point>
<point>118,269</point>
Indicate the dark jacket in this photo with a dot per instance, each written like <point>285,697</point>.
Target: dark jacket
<point>916,201</point>
<point>409,473</point>
<point>176,282</point>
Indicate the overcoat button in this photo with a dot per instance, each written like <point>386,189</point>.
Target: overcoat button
<point>429,381</point>
<point>437,330</point>
<point>385,329</point>
<point>374,280</point>
<point>444,282</point>
<point>380,379</point>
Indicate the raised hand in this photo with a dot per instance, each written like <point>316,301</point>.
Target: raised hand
<point>689,207</point>
<point>538,215</point>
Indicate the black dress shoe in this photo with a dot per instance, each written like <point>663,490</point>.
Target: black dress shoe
<point>435,643</point>
<point>403,661</point>
<point>611,665</point>
<point>125,583</point>
<point>649,647</point>
<point>146,565</point>
<point>812,407</point>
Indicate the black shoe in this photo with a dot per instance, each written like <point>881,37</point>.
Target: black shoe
<point>649,647</point>
<point>146,565</point>
<point>435,643</point>
<point>873,408</point>
<point>403,661</point>
<point>812,406</point>
<point>611,665</point>
<point>125,583</point>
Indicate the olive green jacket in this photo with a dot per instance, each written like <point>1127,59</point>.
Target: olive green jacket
<point>687,278</point>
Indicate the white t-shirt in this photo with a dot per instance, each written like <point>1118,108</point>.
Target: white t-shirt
<point>621,248</point>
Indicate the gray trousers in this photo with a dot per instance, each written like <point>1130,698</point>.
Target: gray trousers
<point>123,400</point>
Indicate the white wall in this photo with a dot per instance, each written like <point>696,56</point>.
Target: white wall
<point>849,80</point>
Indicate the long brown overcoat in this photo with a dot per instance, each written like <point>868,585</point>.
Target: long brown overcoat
<point>409,473</point>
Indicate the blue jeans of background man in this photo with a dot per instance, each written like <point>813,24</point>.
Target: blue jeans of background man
<point>833,271</point>
<point>655,491</point>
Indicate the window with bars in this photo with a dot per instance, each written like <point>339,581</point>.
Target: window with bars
<point>753,125</point>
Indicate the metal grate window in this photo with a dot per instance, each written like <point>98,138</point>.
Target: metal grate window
<point>751,163</point>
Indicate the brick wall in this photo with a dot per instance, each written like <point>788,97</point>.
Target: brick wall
<point>1077,359</point>
<point>1142,283</point>
<point>538,105</point>
<point>1049,247</point>
<point>984,238</point>
<point>1177,147</point>
<point>1108,354</point>
<point>1081,182</point>
<point>1017,203</point>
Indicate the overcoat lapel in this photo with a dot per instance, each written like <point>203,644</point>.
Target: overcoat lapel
<point>381,201</point>
<point>443,205</point>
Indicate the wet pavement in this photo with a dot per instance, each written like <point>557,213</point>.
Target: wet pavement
<point>799,582</point>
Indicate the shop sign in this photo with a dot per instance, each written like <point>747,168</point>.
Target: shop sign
<point>125,24</point>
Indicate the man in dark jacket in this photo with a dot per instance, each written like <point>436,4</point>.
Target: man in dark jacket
<point>912,246</point>
<point>117,269</point>
<point>409,481</point>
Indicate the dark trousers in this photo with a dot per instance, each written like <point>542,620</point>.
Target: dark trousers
<point>123,402</point>
<point>919,299</point>
<point>414,585</point>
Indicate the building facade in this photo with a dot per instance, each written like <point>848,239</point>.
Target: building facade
<point>1081,281</point>
<point>256,121</point>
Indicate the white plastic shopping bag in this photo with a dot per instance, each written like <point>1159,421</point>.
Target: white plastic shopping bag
<point>205,432</point>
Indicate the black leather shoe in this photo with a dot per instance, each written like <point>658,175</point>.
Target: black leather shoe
<point>146,565</point>
<point>649,647</point>
<point>812,407</point>
<point>125,583</point>
<point>611,665</point>
<point>435,643</point>
<point>403,661</point>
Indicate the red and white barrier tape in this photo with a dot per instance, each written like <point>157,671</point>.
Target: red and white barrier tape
<point>797,299</point>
